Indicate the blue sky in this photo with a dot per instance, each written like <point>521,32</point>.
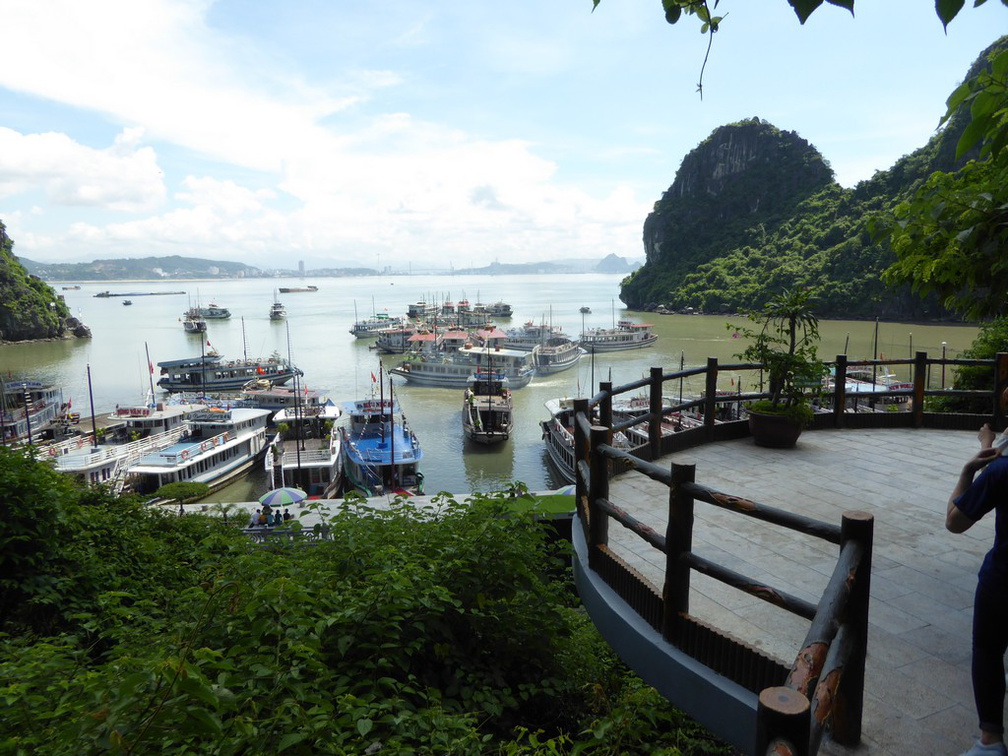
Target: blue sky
<point>427,134</point>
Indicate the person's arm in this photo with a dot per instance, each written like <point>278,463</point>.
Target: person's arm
<point>955,520</point>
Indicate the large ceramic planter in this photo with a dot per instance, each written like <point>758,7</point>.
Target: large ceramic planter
<point>774,431</point>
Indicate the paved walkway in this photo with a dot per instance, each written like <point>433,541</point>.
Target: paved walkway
<point>918,694</point>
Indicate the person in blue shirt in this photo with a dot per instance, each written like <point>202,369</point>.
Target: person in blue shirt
<point>973,497</point>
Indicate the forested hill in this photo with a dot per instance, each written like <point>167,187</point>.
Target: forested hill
<point>29,308</point>
<point>754,209</point>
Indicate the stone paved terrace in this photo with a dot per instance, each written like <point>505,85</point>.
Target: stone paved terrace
<point>918,698</point>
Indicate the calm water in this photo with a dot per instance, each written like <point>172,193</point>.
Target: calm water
<point>316,337</point>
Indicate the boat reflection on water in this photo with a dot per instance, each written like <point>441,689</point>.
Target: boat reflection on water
<point>488,468</point>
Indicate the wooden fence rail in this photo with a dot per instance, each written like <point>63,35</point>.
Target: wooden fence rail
<point>824,686</point>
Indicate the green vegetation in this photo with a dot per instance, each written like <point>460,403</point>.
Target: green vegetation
<point>922,240</point>
<point>182,491</point>
<point>784,342</point>
<point>130,630</point>
<point>29,308</point>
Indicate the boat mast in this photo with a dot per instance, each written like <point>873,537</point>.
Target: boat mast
<point>150,370</point>
<point>392,434</point>
<point>94,424</point>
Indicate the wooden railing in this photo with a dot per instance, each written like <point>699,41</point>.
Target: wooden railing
<point>824,686</point>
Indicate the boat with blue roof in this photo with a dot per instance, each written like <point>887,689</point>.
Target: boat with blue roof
<point>381,453</point>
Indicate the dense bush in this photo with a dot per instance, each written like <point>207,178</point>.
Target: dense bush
<point>143,632</point>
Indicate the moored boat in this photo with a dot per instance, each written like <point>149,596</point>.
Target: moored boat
<point>211,373</point>
<point>309,455</point>
<point>530,335</point>
<point>381,454</point>
<point>394,340</point>
<point>214,312</point>
<point>193,322</point>
<point>221,445</point>
<point>297,289</point>
<point>500,309</point>
<point>558,353</point>
<point>26,407</point>
<point>626,335</point>
<point>277,310</point>
<point>452,368</point>
<point>558,436</point>
<point>369,328</point>
<point>487,408</point>
<point>126,436</point>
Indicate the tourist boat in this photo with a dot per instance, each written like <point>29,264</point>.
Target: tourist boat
<point>309,455</point>
<point>277,310</point>
<point>369,328</point>
<point>264,394</point>
<point>422,310</point>
<point>75,287</point>
<point>214,312</point>
<point>452,368</point>
<point>626,335</point>
<point>381,454</point>
<point>26,407</point>
<point>558,436</point>
<point>297,289</point>
<point>558,353</point>
<point>193,322</point>
<point>878,384</point>
<point>127,435</point>
<point>487,408</point>
<point>211,373</point>
<point>394,340</point>
<point>127,302</point>
<point>499,309</point>
<point>531,335</point>
<point>220,446</point>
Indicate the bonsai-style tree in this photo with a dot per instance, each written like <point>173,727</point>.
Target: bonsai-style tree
<point>784,343</point>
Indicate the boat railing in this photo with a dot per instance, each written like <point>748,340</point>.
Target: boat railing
<point>306,456</point>
<point>823,688</point>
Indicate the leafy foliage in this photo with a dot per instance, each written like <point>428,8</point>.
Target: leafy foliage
<point>182,491</point>
<point>785,344</point>
<point>29,308</point>
<point>992,339</point>
<point>949,238</point>
<point>444,634</point>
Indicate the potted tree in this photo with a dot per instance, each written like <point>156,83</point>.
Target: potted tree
<point>784,342</point>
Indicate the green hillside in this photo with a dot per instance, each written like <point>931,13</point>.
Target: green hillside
<point>754,209</point>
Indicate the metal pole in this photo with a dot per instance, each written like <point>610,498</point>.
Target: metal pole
<point>94,425</point>
<point>944,345</point>
<point>27,414</point>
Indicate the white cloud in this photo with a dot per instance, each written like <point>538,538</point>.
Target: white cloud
<point>123,177</point>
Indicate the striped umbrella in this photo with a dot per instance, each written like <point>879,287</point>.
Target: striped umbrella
<point>282,497</point>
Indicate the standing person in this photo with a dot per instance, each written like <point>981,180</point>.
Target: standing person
<point>970,500</point>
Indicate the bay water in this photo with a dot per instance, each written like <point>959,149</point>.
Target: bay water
<point>316,337</point>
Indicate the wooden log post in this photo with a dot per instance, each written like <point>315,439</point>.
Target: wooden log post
<point>655,410</point>
<point>710,398</point>
<point>783,724</point>
<point>605,406</point>
<point>678,542</point>
<point>599,487</point>
<point>580,455</point>
<point>920,379</point>
<point>1000,383</point>
<point>849,704</point>
<point>839,390</point>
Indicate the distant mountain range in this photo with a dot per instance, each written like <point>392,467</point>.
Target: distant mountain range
<point>183,268</point>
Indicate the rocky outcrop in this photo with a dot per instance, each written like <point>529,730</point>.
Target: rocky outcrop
<point>29,308</point>
<point>743,174</point>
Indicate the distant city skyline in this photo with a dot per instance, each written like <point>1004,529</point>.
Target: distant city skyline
<point>439,133</point>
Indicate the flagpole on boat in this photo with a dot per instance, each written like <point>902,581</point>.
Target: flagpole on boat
<point>395,477</point>
<point>94,424</point>
<point>150,371</point>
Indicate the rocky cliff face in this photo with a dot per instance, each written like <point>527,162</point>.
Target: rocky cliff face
<point>743,174</point>
<point>29,308</point>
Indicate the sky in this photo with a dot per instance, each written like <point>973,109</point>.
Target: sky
<point>427,135</point>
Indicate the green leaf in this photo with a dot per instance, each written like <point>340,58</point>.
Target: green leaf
<point>804,8</point>
<point>947,10</point>
<point>364,726</point>
<point>290,739</point>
